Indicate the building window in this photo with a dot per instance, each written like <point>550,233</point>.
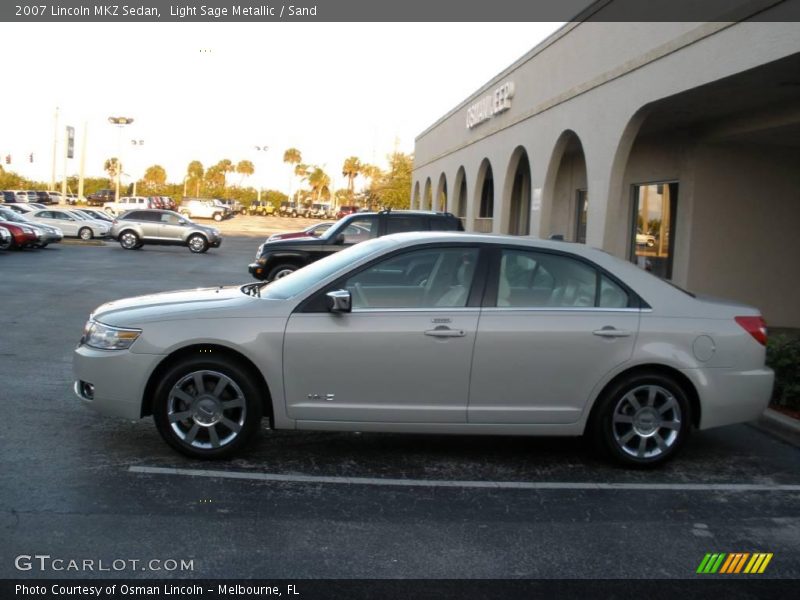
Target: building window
<point>653,235</point>
<point>581,211</point>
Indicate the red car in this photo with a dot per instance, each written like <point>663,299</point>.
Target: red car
<point>21,235</point>
<point>346,210</point>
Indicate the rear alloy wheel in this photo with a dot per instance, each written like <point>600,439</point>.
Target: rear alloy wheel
<point>281,271</point>
<point>129,240</point>
<point>197,244</point>
<point>207,407</point>
<point>85,233</point>
<point>217,217</point>
<point>643,420</point>
<point>6,244</point>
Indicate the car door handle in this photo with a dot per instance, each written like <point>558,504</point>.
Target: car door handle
<point>445,332</point>
<point>611,332</point>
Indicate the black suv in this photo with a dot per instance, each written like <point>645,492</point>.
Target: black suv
<point>281,257</point>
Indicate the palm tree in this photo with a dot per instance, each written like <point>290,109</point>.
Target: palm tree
<point>292,156</point>
<point>112,167</point>
<point>318,180</point>
<point>245,168</point>
<point>351,169</point>
<point>155,176</point>
<point>194,172</point>
<point>225,166</point>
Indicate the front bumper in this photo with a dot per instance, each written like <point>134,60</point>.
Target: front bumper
<point>215,243</point>
<point>119,378</point>
<point>258,271</point>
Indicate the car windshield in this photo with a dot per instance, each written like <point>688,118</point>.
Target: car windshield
<point>302,279</point>
<point>10,215</point>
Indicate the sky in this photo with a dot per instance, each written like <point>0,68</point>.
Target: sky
<point>208,91</point>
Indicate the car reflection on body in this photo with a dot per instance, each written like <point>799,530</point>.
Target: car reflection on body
<point>451,332</point>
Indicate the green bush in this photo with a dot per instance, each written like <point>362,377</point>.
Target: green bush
<point>783,355</point>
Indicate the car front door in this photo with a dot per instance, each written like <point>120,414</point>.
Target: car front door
<point>402,355</point>
<point>554,327</point>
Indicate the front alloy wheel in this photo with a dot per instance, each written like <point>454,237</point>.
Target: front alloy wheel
<point>207,408</point>
<point>643,420</point>
<point>197,244</point>
<point>85,233</point>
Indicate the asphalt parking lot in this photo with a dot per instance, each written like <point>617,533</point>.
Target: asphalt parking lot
<point>340,505</point>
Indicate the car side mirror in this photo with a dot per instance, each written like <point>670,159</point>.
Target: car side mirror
<point>339,301</point>
<point>181,221</point>
<point>339,239</point>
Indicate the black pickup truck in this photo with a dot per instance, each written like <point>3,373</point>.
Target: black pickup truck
<point>100,197</point>
<point>281,257</point>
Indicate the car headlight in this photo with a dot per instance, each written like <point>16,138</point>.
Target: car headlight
<point>105,337</point>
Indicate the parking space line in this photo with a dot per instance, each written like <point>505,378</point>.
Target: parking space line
<point>440,483</point>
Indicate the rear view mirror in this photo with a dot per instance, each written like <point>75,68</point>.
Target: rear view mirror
<point>339,301</point>
<point>339,239</point>
<point>181,221</point>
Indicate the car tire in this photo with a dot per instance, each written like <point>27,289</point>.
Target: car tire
<point>197,243</point>
<point>129,240</point>
<point>207,423</point>
<point>85,233</point>
<point>217,217</point>
<point>7,244</point>
<point>642,420</point>
<point>281,271</point>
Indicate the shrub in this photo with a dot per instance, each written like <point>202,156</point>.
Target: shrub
<point>783,356</point>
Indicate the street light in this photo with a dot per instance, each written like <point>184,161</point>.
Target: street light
<point>120,122</point>
<point>135,143</point>
<point>260,149</point>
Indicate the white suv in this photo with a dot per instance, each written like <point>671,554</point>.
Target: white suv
<point>127,203</point>
<point>199,208</point>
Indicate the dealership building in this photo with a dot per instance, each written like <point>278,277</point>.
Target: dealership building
<point>675,145</point>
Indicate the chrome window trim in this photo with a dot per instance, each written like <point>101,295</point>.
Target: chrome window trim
<point>561,309</point>
<point>474,309</point>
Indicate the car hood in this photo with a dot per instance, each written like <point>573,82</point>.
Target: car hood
<point>202,303</point>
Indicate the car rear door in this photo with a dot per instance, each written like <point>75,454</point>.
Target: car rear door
<point>554,327</point>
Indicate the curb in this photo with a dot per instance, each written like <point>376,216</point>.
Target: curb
<point>83,242</point>
<point>779,425</point>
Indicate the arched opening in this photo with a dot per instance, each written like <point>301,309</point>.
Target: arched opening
<point>460,205</point>
<point>565,196</point>
<point>440,200</point>
<point>484,198</point>
<point>518,193</point>
<point>427,198</point>
<point>415,202</point>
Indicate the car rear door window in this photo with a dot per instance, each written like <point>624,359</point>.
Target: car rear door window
<point>544,280</point>
<point>364,229</point>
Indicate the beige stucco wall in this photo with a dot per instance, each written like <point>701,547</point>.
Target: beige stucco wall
<point>744,228</point>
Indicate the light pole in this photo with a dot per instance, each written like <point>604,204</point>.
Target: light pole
<point>120,122</point>
<point>136,143</point>
<point>260,149</point>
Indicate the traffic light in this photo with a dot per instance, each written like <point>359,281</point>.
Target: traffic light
<point>8,159</point>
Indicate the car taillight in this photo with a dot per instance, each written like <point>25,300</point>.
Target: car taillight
<point>755,326</point>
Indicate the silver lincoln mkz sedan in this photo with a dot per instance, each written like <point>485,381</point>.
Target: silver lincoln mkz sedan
<point>433,333</point>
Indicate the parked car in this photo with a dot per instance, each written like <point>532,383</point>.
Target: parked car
<point>645,239</point>
<point>8,197</point>
<point>55,197</point>
<point>346,210</point>
<point>22,235</point>
<point>227,211</point>
<point>126,203</point>
<point>70,224</point>
<point>314,231</point>
<point>19,196</point>
<point>319,210</point>
<point>97,215</point>
<point>279,258</point>
<point>451,333</point>
<point>289,209</point>
<point>100,197</point>
<point>42,198</point>
<point>5,238</point>
<point>22,208</point>
<point>46,234</point>
<point>136,228</point>
<point>72,199</point>
<point>201,208</point>
<point>235,206</point>
<point>261,207</point>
